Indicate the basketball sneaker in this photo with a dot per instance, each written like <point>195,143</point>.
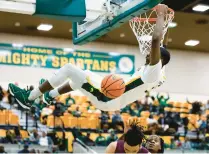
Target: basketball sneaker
<point>47,99</point>
<point>21,95</point>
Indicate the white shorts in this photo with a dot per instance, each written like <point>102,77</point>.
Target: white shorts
<point>80,77</point>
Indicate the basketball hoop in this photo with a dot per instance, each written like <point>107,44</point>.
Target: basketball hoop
<point>143,27</point>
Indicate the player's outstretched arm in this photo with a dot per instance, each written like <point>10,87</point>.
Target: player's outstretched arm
<point>158,34</point>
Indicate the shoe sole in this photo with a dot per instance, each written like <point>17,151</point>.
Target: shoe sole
<point>22,105</point>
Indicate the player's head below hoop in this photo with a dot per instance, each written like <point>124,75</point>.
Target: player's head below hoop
<point>155,144</point>
<point>165,57</point>
<point>133,139</point>
<point>132,142</point>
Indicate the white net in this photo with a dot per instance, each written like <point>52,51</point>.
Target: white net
<point>143,27</point>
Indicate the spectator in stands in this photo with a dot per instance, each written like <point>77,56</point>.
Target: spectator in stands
<point>34,136</point>
<point>25,149</point>
<point>170,121</point>
<point>134,111</point>
<point>207,129</point>
<point>86,139</point>
<point>154,105</point>
<point>59,109</point>
<point>104,120</point>
<point>117,120</point>
<point>31,87</point>
<point>1,93</point>
<point>69,101</point>
<point>162,102</point>
<point>207,105</point>
<point>187,144</point>
<point>146,106</point>
<point>113,137</point>
<point>2,149</point>
<point>17,131</point>
<point>177,141</point>
<point>151,120</point>
<point>11,99</point>
<point>161,119</point>
<point>46,141</point>
<point>10,137</point>
<point>155,144</point>
<point>76,113</point>
<point>196,107</point>
<point>202,125</point>
<point>32,151</point>
<point>185,122</point>
<point>100,140</point>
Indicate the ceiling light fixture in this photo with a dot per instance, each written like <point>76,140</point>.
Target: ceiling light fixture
<point>122,35</point>
<point>200,8</point>
<point>172,24</point>
<point>15,45</point>
<point>68,50</point>
<point>45,27</point>
<point>192,43</point>
<point>17,24</point>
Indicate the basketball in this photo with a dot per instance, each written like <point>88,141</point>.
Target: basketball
<point>113,86</point>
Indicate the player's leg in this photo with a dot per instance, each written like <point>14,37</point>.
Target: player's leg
<point>26,98</point>
<point>63,89</point>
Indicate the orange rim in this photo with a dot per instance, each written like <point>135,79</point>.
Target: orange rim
<point>137,19</point>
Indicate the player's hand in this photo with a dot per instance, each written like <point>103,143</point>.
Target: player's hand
<point>162,9</point>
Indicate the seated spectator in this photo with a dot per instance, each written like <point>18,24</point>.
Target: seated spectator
<point>100,140</point>
<point>134,111</point>
<point>177,141</point>
<point>185,122</point>
<point>113,137</point>
<point>76,113</point>
<point>45,140</point>
<point>59,109</point>
<point>17,132</point>
<point>86,139</point>
<point>1,93</point>
<point>117,120</point>
<point>207,105</point>
<point>104,120</point>
<point>145,106</point>
<point>10,137</point>
<point>2,149</point>
<point>32,151</point>
<point>34,136</point>
<point>202,126</point>
<point>69,101</point>
<point>154,105</point>
<point>25,149</point>
<point>187,144</point>
<point>151,120</point>
<point>161,119</point>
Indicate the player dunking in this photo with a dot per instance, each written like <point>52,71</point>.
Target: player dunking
<point>147,77</point>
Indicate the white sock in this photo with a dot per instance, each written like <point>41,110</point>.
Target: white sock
<point>54,93</point>
<point>35,93</point>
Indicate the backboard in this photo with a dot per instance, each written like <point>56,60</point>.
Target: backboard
<point>56,9</point>
<point>103,16</point>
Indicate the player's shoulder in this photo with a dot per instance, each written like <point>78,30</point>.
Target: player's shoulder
<point>111,147</point>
